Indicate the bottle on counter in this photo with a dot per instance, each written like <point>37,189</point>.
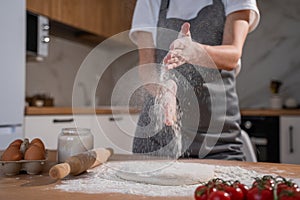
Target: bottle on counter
<point>72,141</point>
<point>276,99</point>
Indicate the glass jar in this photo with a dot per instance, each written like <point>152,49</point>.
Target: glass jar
<point>72,141</point>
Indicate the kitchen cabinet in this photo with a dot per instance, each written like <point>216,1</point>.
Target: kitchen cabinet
<point>48,127</point>
<point>290,139</point>
<point>115,131</point>
<point>109,130</point>
<point>101,17</point>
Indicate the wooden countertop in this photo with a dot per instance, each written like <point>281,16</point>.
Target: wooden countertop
<point>270,112</point>
<point>25,186</point>
<point>69,110</point>
<point>109,110</point>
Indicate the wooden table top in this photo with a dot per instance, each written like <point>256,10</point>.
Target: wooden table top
<point>103,110</point>
<point>109,110</point>
<point>29,187</point>
<point>270,112</point>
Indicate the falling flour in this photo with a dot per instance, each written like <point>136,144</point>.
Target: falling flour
<point>105,179</point>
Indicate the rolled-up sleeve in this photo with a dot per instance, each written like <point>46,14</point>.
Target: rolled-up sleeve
<point>236,5</point>
<point>145,18</point>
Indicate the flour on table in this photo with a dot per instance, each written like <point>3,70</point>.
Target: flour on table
<point>106,178</point>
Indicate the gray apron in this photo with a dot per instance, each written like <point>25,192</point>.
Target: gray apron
<point>201,137</point>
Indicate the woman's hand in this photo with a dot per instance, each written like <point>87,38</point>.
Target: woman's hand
<point>183,49</point>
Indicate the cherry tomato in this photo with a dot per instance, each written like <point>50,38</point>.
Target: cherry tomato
<point>266,181</point>
<point>289,198</point>
<point>290,193</point>
<point>293,196</point>
<point>257,193</point>
<point>219,195</point>
<point>212,189</point>
<point>287,186</point>
<point>201,192</point>
<point>234,192</point>
<point>215,185</point>
<point>243,187</point>
<point>280,187</point>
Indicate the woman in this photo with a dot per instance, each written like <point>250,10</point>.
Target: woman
<point>205,55</point>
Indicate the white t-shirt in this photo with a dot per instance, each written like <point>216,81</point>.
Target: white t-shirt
<point>146,12</point>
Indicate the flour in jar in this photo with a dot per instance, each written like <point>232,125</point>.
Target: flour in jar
<point>106,178</point>
<point>72,141</point>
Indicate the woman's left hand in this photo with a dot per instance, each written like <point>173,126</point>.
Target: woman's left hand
<point>168,99</point>
<point>183,49</point>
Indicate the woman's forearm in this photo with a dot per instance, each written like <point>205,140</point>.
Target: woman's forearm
<point>147,67</point>
<point>227,55</point>
<point>223,57</point>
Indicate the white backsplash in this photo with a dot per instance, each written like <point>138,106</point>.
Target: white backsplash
<point>272,51</point>
<point>55,75</point>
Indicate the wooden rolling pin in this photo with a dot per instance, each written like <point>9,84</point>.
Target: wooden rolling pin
<point>79,163</point>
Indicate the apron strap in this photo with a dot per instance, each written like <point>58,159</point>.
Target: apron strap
<point>164,4</point>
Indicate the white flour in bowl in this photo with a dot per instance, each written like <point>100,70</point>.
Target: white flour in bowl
<point>104,179</point>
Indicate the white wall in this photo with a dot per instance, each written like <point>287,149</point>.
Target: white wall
<point>272,51</point>
<point>55,75</point>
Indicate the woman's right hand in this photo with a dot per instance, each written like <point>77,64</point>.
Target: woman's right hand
<point>185,50</point>
<point>182,50</point>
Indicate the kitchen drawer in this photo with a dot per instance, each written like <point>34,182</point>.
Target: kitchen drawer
<point>48,127</point>
<point>290,139</point>
<point>115,131</point>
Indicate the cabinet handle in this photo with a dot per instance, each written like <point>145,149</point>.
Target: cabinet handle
<point>112,119</point>
<point>10,125</point>
<point>63,120</point>
<point>291,139</point>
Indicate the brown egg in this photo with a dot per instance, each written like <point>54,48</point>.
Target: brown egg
<point>38,142</point>
<point>17,142</point>
<point>12,153</point>
<point>34,152</point>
